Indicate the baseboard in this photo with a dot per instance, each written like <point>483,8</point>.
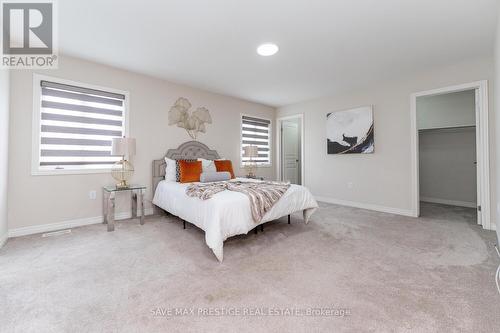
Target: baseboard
<point>449,202</point>
<point>377,208</point>
<point>36,229</point>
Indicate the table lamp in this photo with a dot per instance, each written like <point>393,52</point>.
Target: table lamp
<point>250,152</point>
<point>122,170</point>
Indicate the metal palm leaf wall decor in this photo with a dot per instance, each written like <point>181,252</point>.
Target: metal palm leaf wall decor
<point>193,123</point>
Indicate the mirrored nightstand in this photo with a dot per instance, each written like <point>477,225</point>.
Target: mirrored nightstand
<point>108,205</point>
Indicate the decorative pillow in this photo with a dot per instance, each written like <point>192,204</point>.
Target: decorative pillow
<point>178,170</point>
<point>189,171</point>
<point>207,165</point>
<point>224,165</point>
<point>207,177</point>
<point>170,170</point>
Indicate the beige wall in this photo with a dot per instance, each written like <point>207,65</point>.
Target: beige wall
<point>382,179</point>
<point>38,200</point>
<point>4,147</point>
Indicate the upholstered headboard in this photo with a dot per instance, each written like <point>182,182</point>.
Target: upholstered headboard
<point>187,150</point>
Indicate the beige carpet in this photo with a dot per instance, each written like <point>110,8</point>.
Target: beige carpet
<point>383,272</point>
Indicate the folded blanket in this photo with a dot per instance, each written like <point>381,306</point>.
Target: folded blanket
<point>262,195</point>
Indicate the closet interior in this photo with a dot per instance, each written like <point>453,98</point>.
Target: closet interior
<point>447,148</point>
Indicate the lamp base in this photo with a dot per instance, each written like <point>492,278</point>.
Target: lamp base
<point>122,171</point>
<point>250,168</point>
<point>122,184</point>
<point>251,175</point>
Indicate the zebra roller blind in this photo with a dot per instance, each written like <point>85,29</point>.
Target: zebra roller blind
<point>77,125</point>
<point>257,132</point>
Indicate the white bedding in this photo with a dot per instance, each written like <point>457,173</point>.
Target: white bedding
<point>227,213</point>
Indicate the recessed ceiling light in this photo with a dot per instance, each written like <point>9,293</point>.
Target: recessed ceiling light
<point>267,49</point>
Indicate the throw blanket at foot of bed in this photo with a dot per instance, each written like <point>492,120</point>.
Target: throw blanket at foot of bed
<point>262,195</point>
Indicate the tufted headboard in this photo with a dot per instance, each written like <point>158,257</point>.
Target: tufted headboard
<point>187,150</point>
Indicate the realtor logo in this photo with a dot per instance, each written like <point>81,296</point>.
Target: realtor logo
<point>28,35</point>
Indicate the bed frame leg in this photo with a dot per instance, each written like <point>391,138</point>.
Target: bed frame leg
<point>288,219</point>
<point>262,227</point>
<point>184,224</point>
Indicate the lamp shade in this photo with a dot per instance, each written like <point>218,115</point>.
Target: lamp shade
<point>250,151</point>
<point>123,147</point>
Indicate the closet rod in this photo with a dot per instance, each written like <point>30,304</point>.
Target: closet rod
<point>446,128</point>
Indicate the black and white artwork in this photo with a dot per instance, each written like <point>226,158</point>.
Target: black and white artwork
<point>350,131</point>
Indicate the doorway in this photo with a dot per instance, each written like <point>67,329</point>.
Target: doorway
<point>450,148</point>
<point>291,149</point>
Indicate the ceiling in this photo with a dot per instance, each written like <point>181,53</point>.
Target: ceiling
<point>326,46</point>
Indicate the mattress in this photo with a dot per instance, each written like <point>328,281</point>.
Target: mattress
<point>228,213</point>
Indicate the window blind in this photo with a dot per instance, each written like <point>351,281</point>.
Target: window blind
<point>256,132</point>
<point>77,125</point>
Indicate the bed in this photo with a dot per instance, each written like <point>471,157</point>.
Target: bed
<point>227,213</point>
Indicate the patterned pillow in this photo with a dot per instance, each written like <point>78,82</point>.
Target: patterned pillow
<point>170,170</point>
<point>178,169</point>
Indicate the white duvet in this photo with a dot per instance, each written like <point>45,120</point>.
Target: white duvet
<point>227,213</point>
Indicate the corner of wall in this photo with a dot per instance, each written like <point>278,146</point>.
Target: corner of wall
<point>4,152</point>
<point>3,240</point>
<point>497,116</point>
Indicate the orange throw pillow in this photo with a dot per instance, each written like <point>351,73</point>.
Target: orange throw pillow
<point>224,165</point>
<point>189,171</point>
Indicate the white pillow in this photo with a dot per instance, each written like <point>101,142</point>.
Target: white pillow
<point>207,165</point>
<point>170,170</point>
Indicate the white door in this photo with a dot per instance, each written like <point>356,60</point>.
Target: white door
<point>290,148</point>
<point>478,159</point>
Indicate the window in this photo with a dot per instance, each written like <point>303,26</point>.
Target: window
<point>256,132</point>
<point>74,125</point>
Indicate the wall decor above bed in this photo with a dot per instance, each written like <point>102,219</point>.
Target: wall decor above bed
<point>193,123</point>
<point>350,131</point>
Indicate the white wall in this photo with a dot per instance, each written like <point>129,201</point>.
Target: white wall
<point>447,170</point>
<point>381,180</point>
<point>447,110</point>
<point>39,200</point>
<point>4,152</point>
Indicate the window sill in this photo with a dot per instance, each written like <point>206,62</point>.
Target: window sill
<point>69,172</point>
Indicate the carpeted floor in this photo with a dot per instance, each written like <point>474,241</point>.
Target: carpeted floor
<point>355,270</point>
